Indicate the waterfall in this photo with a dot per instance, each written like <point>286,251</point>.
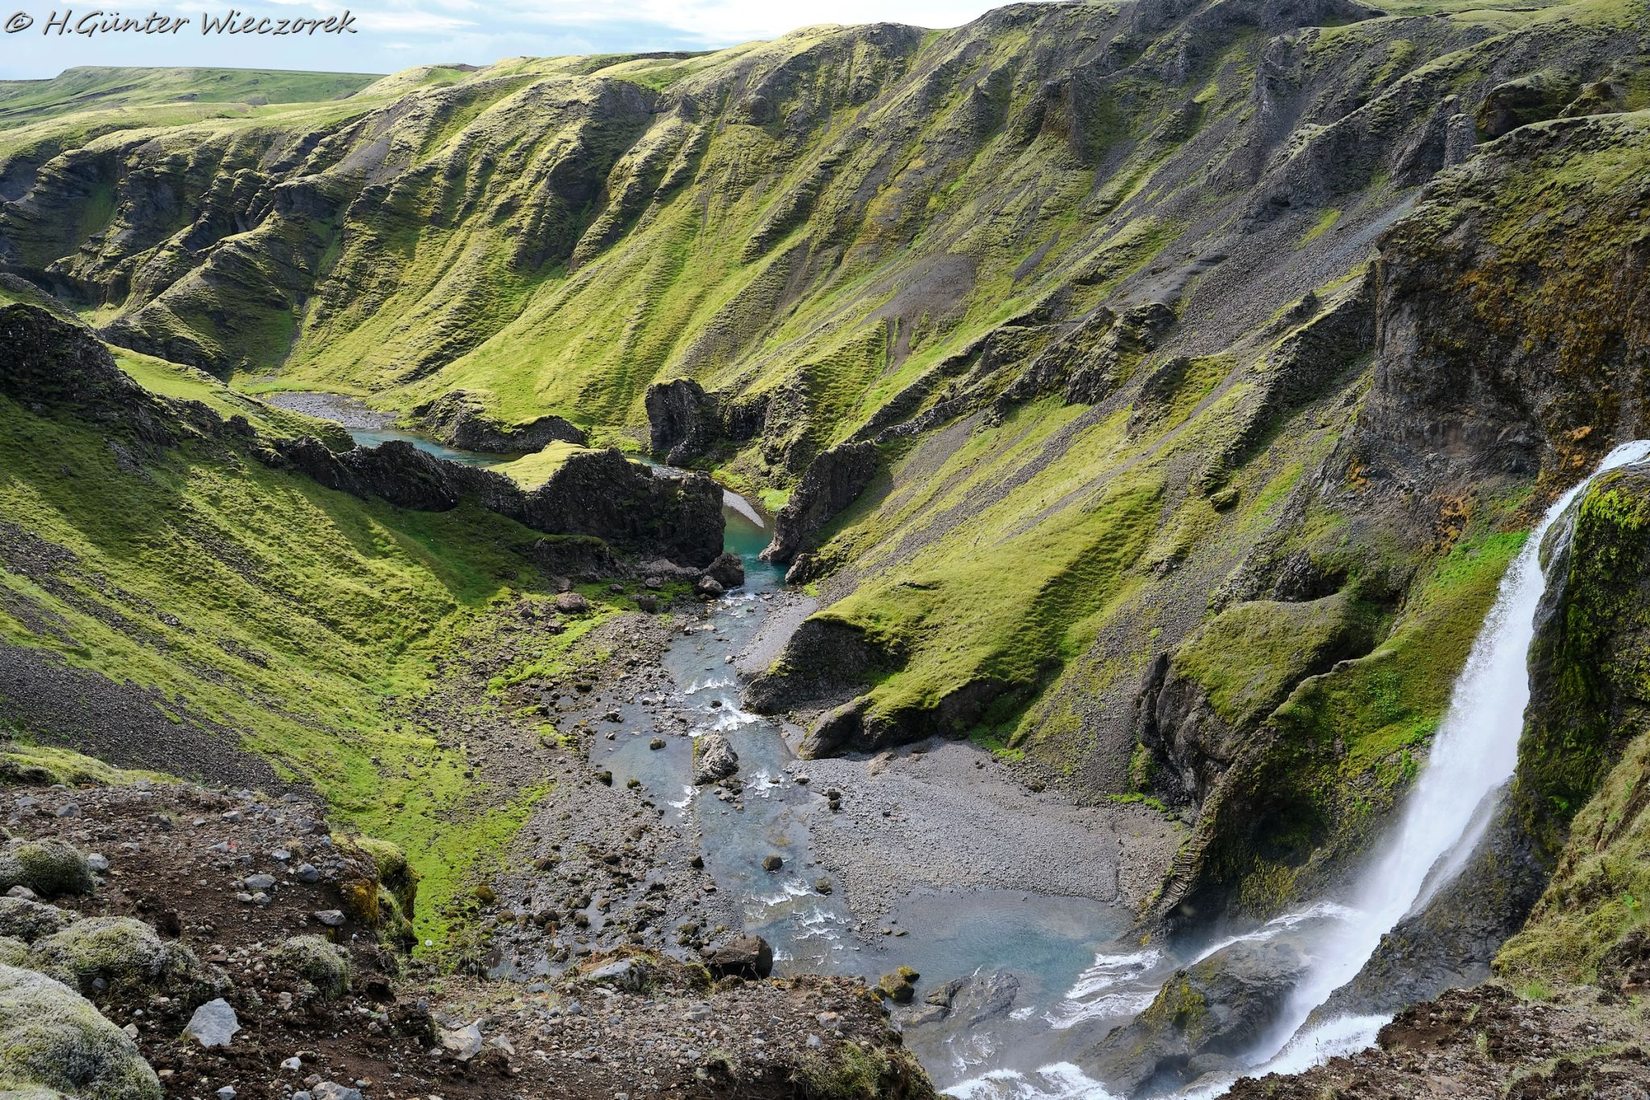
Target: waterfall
<point>1473,756</point>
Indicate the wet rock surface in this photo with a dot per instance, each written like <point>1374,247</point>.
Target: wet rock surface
<point>1212,1010</point>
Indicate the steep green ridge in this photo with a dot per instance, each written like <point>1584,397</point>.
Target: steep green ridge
<point>250,601</point>
<point>1214,352</point>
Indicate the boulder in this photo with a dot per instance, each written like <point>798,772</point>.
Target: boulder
<point>52,1038</point>
<point>970,1001</point>
<point>462,1043</point>
<point>48,867</point>
<point>727,570</point>
<point>572,603</point>
<point>213,1024</point>
<point>630,975</point>
<point>120,954</point>
<point>1218,1006</point>
<point>742,956</point>
<point>713,759</point>
<point>332,1090</point>
<point>322,964</point>
<point>30,920</point>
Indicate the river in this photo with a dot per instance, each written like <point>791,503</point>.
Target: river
<point>1053,975</point>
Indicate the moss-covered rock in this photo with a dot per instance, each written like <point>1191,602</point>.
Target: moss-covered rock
<point>13,952</point>
<point>1584,760</point>
<point>322,964</point>
<point>119,954</point>
<point>858,1071</point>
<point>29,920</point>
<point>53,1039</point>
<point>49,867</point>
<point>1213,1009</point>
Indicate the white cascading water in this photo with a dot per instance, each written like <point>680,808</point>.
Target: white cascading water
<point>1473,756</point>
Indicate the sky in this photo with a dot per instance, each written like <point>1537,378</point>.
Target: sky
<point>36,40</point>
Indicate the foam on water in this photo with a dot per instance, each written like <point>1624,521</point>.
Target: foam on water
<point>1060,1081</point>
<point>1109,988</point>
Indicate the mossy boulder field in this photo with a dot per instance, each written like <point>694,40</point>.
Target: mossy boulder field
<point>1146,405</point>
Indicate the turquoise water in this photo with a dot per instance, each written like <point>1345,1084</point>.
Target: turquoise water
<point>1075,980</point>
<point>372,437</point>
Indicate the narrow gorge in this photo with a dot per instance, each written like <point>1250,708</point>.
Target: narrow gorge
<point>1099,553</point>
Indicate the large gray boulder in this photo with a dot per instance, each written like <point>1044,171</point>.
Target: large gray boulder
<point>53,1039</point>
<point>1213,1010</point>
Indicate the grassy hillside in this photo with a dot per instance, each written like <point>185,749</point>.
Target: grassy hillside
<point>254,604</point>
<point>1117,292</point>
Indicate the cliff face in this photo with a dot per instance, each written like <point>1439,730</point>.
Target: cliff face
<point>1158,390</point>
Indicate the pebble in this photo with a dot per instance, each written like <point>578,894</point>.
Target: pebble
<point>98,863</point>
<point>306,872</point>
<point>260,882</point>
<point>226,1093</point>
<point>293,1064</point>
<point>332,918</point>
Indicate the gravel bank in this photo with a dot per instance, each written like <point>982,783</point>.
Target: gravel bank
<point>948,814</point>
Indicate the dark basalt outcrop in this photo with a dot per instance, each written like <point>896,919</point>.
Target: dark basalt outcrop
<point>834,481</point>
<point>687,423</point>
<point>682,420</point>
<point>599,493</point>
<point>49,363</point>
<point>458,420</point>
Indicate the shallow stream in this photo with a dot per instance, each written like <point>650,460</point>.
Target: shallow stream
<point>1071,977</point>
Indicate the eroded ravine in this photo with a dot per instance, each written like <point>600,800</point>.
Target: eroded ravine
<point>1034,977</point>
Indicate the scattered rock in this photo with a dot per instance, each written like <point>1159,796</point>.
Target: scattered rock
<point>214,1024</point>
<point>742,956</point>
<point>713,759</point>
